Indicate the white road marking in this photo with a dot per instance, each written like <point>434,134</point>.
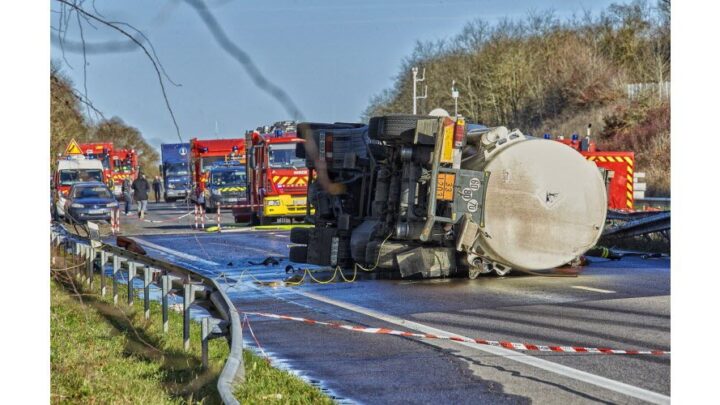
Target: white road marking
<point>602,382</point>
<point>580,287</point>
<point>174,252</point>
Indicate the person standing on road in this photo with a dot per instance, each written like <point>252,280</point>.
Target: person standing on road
<point>157,188</point>
<point>141,188</point>
<point>127,194</point>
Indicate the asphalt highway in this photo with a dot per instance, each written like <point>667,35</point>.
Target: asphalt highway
<point>617,304</point>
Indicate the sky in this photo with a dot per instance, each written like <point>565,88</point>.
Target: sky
<point>330,56</point>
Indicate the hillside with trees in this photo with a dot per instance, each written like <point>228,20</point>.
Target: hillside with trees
<point>70,118</point>
<point>547,75</point>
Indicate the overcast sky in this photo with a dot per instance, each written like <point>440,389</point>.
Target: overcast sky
<point>330,56</point>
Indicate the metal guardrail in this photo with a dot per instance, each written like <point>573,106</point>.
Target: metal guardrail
<point>224,320</point>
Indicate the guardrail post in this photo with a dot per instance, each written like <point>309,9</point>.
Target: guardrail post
<point>188,298</point>
<point>165,291</point>
<point>205,326</point>
<point>147,280</point>
<point>90,263</point>
<point>116,268</point>
<point>132,269</point>
<point>103,263</point>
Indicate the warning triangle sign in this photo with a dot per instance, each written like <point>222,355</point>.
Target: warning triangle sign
<point>73,148</point>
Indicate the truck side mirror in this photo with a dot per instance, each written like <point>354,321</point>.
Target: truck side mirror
<point>300,150</point>
<point>251,158</point>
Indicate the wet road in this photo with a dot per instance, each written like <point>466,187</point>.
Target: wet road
<point>623,304</point>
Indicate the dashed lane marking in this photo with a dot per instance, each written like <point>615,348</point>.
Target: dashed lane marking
<point>569,372</point>
<point>581,287</point>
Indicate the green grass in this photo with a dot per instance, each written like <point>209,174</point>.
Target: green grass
<point>101,353</point>
<point>267,385</point>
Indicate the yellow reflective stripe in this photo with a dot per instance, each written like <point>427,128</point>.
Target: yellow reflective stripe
<point>301,182</point>
<point>291,181</point>
<point>629,161</point>
<point>610,158</point>
<point>630,169</point>
<point>275,178</point>
<point>629,195</point>
<point>630,178</point>
<point>282,180</point>
<point>629,186</point>
<point>602,158</point>
<point>629,204</point>
<point>591,158</point>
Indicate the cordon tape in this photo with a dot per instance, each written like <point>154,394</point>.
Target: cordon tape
<point>500,343</point>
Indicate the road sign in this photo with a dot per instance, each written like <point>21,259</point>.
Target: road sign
<point>73,148</point>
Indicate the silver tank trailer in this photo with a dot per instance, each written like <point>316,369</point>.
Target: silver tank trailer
<point>545,204</point>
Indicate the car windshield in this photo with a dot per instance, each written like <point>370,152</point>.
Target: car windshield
<point>91,192</point>
<point>228,177</point>
<point>177,170</point>
<point>283,155</point>
<point>210,160</point>
<point>70,177</point>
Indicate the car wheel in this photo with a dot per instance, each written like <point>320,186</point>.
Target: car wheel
<point>298,254</point>
<point>391,127</point>
<point>300,235</point>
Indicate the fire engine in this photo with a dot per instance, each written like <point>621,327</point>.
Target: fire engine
<point>619,166</point>
<point>277,177</point>
<point>125,165</point>
<point>208,153</point>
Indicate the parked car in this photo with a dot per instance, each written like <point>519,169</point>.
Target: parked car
<point>90,201</point>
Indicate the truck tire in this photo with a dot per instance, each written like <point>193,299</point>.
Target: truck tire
<point>298,254</point>
<point>300,235</point>
<point>390,127</point>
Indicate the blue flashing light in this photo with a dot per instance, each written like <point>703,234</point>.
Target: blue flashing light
<point>575,137</point>
<point>547,136</point>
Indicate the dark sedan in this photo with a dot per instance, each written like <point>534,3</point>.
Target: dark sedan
<point>90,201</point>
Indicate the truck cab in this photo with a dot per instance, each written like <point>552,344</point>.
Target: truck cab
<point>226,186</point>
<point>175,170</point>
<point>278,177</point>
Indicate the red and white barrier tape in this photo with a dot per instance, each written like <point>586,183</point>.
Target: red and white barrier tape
<point>505,344</point>
<point>115,221</point>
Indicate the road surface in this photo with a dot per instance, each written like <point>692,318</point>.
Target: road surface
<point>618,304</point>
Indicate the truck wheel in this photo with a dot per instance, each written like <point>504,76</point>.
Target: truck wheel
<point>298,254</point>
<point>300,235</point>
<point>391,127</point>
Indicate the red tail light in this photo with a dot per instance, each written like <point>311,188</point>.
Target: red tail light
<point>459,137</point>
<point>328,147</point>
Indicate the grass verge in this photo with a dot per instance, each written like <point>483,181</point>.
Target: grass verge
<point>101,353</point>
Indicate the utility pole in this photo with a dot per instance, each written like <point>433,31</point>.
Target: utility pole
<point>455,94</point>
<point>415,82</point>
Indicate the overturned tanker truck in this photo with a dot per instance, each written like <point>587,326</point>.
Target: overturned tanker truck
<point>433,197</point>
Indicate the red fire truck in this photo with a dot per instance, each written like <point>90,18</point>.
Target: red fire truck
<point>125,165</point>
<point>277,177</point>
<point>620,167</point>
<point>207,153</point>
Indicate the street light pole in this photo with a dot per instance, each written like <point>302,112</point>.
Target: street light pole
<point>455,94</point>
<point>415,82</point>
